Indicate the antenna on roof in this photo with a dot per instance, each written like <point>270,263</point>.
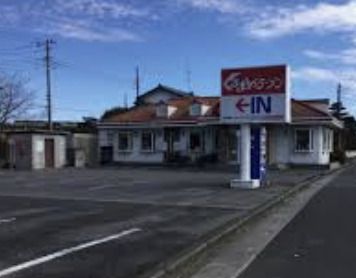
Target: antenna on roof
<point>125,100</point>
<point>188,76</point>
<point>137,82</point>
<point>339,88</point>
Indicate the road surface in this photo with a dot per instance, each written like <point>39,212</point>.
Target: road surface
<point>319,242</point>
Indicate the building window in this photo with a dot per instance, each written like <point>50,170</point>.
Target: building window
<point>195,141</point>
<point>147,141</point>
<point>125,141</point>
<point>303,140</point>
<point>110,137</point>
<point>195,110</point>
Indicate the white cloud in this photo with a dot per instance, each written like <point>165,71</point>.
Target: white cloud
<point>346,56</point>
<point>347,77</point>
<point>82,30</point>
<point>323,76</point>
<point>323,17</point>
<point>315,54</point>
<point>221,6</point>
<point>99,8</point>
<point>314,74</point>
<point>88,20</point>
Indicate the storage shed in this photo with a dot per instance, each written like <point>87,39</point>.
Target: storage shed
<point>37,149</point>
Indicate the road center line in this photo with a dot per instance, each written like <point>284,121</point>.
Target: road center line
<point>8,220</point>
<point>64,252</point>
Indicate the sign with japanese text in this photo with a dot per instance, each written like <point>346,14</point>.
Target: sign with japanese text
<point>255,95</point>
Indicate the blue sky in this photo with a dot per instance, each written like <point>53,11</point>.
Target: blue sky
<point>99,43</point>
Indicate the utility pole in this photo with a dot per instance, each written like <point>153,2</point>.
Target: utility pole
<point>47,44</point>
<point>48,60</point>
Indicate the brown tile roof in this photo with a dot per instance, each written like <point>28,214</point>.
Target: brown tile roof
<point>302,110</point>
<point>147,113</point>
<point>308,110</point>
<point>137,114</point>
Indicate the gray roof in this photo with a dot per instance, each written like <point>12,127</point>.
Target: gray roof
<point>167,89</point>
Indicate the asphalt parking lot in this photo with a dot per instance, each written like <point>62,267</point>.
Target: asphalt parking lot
<point>115,222</point>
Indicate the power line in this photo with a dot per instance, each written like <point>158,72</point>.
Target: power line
<point>60,108</point>
<point>16,57</point>
<point>104,74</point>
<point>19,48</point>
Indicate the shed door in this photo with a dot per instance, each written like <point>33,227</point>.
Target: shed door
<point>49,153</point>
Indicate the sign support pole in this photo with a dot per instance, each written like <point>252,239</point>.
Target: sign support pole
<point>245,147</point>
<point>245,180</point>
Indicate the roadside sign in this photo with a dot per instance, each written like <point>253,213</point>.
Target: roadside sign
<point>255,95</point>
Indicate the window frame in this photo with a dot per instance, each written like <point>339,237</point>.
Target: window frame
<point>153,141</point>
<point>110,135</point>
<point>311,140</point>
<point>129,140</point>
<point>195,110</point>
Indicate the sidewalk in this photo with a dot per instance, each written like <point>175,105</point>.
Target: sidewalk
<point>232,256</point>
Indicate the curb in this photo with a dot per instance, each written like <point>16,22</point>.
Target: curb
<point>172,267</point>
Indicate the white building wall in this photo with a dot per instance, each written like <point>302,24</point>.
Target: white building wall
<point>282,147</point>
<point>182,145</point>
<point>158,97</point>
<point>60,151</point>
<point>278,144</point>
<point>103,137</point>
<point>38,150</point>
<point>136,154</point>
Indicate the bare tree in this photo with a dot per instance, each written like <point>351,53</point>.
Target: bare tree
<point>15,98</point>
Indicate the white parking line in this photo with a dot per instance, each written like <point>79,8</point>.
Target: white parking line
<point>3,221</point>
<point>64,252</point>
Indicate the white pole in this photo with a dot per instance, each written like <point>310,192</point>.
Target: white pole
<point>245,148</point>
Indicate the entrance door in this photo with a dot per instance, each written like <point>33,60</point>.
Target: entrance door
<point>171,135</point>
<point>106,155</point>
<point>49,153</point>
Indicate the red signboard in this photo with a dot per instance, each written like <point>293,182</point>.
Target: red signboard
<point>257,80</point>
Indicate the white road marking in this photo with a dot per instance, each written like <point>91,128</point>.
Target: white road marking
<point>8,220</point>
<point>64,252</point>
